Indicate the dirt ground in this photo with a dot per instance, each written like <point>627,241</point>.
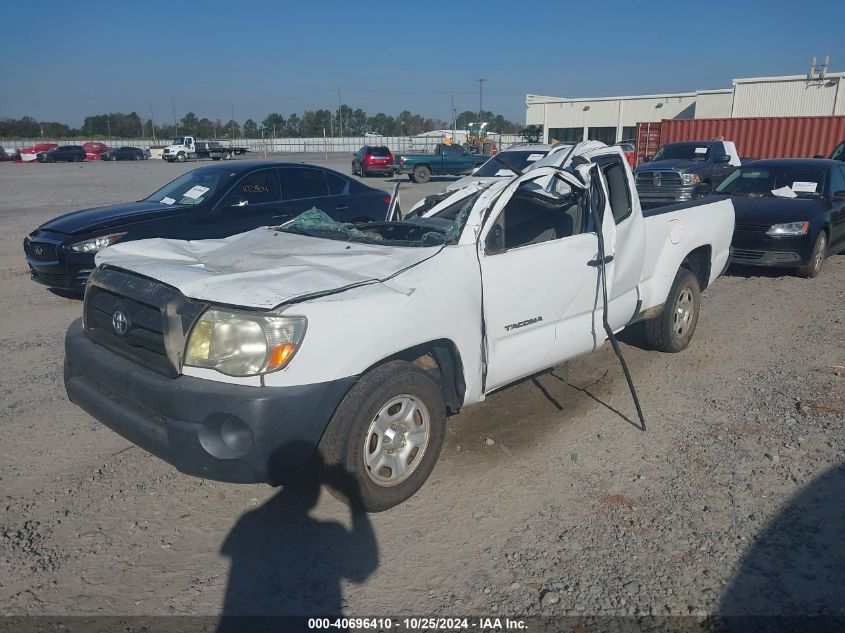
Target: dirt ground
<point>546,499</point>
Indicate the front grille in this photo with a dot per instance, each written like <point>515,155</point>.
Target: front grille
<point>752,228</point>
<point>40,251</point>
<point>659,178</point>
<point>742,253</point>
<point>157,318</point>
<point>62,280</point>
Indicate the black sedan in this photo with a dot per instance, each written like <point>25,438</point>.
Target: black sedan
<point>64,153</point>
<point>209,202</point>
<point>124,153</point>
<point>790,213</point>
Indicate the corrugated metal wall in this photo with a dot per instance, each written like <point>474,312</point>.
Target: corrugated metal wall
<point>763,137</point>
<point>798,97</point>
<point>713,105</point>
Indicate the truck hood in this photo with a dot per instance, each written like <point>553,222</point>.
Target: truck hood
<point>97,218</point>
<point>678,165</point>
<point>262,268</point>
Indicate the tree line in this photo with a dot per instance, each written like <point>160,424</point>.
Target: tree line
<point>345,121</point>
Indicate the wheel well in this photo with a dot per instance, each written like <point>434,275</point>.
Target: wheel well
<point>440,359</point>
<point>428,167</point>
<point>698,261</point>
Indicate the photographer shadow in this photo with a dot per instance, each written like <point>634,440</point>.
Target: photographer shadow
<point>286,563</point>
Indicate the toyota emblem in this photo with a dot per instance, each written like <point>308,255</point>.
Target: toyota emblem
<point>120,323</point>
<point>37,250</point>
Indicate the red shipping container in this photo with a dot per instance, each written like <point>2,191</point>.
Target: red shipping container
<point>760,137</point>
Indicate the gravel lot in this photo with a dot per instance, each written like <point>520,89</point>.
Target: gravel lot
<point>546,500</point>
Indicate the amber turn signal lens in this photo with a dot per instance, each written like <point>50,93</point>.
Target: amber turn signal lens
<point>279,355</point>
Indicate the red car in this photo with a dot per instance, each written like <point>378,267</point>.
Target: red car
<point>370,160</point>
<point>630,151</point>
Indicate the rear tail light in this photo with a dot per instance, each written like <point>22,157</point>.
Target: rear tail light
<point>386,199</point>
<point>368,158</point>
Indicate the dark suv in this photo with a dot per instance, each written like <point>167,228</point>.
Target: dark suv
<point>369,160</point>
<point>66,153</point>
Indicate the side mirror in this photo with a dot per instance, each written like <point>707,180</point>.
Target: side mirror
<point>839,196</point>
<point>723,159</point>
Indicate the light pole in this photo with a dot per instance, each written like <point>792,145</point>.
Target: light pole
<point>480,81</point>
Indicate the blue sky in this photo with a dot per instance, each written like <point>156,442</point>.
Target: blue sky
<point>62,60</point>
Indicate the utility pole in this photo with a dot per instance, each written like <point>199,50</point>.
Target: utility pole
<point>175,122</point>
<point>108,126</point>
<point>233,123</point>
<point>152,122</point>
<point>453,116</point>
<point>480,81</point>
<point>339,113</point>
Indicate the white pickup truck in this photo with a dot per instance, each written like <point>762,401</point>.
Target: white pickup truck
<point>243,359</point>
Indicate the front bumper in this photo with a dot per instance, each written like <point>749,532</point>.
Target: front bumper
<point>54,266</point>
<point>761,250</point>
<point>210,429</point>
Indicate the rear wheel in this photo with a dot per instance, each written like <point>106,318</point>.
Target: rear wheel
<point>384,439</point>
<point>813,267</point>
<point>228,156</point>
<point>422,174</point>
<point>673,328</point>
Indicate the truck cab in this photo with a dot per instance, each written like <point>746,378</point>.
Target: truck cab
<point>679,172</point>
<point>181,148</point>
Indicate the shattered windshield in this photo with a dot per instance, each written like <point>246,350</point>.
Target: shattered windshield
<point>519,159</point>
<point>438,230</point>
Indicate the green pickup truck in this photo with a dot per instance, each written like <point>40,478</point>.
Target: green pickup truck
<point>446,159</point>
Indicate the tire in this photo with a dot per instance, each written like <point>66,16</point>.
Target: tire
<point>411,177</point>
<point>112,158</point>
<point>813,267</point>
<point>673,329</point>
<point>361,427</point>
<point>422,174</point>
<point>228,156</point>
<point>181,157</point>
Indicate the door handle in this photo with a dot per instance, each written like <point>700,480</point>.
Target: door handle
<point>597,262</point>
<point>342,207</point>
<point>283,216</point>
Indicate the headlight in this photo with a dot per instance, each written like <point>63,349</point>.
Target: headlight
<point>690,179</point>
<point>96,244</point>
<point>790,228</point>
<point>243,343</point>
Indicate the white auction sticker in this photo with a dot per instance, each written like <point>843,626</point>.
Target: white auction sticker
<point>804,187</point>
<point>167,200</point>
<point>700,150</point>
<point>532,157</point>
<point>195,192</point>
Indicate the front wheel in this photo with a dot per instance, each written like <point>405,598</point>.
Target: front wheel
<point>422,174</point>
<point>813,267</point>
<point>181,157</point>
<point>672,329</point>
<point>112,157</point>
<point>384,439</point>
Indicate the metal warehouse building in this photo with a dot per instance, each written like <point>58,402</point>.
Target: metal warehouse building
<point>613,119</point>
